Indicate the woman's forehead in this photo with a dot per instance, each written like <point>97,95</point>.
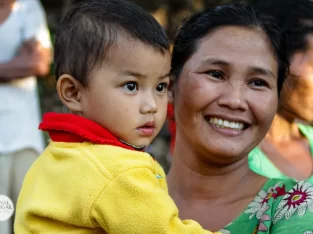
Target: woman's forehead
<point>235,45</point>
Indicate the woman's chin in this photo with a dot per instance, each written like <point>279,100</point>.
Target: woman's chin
<point>226,153</point>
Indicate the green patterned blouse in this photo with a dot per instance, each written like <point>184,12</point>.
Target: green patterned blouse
<point>283,206</point>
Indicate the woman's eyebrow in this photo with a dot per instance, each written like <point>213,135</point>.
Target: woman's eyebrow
<point>263,71</point>
<point>216,61</point>
<point>260,70</point>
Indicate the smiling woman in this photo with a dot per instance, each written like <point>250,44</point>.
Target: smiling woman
<point>228,67</point>
<point>229,87</point>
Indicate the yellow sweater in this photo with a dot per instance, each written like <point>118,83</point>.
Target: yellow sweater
<point>87,188</point>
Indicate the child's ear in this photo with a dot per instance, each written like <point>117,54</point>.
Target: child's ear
<point>70,92</point>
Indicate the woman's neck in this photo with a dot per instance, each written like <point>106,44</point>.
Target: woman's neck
<point>283,129</point>
<point>200,188</point>
<point>190,179</point>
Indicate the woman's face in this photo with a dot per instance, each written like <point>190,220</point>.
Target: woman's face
<point>226,95</point>
<point>297,93</point>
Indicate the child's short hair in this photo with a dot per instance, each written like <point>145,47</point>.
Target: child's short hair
<point>91,27</point>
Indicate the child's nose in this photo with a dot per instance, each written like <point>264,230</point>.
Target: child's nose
<point>149,105</point>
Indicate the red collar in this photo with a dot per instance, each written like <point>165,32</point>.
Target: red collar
<point>77,129</point>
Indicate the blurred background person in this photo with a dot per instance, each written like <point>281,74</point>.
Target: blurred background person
<point>287,149</point>
<point>25,52</point>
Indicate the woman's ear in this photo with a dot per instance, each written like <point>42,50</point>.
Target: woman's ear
<point>70,92</point>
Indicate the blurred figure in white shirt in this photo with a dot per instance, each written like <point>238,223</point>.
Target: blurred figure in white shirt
<point>25,52</point>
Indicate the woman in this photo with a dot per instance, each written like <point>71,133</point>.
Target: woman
<point>228,67</point>
<point>287,149</point>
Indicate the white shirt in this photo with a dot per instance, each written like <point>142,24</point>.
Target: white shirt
<point>19,104</point>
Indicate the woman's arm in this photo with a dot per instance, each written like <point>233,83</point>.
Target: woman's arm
<point>32,60</point>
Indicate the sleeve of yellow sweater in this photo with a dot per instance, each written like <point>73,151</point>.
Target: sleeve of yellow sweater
<point>134,203</point>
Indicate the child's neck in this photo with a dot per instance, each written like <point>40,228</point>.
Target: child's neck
<point>139,148</point>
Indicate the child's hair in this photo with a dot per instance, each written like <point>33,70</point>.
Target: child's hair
<point>92,27</point>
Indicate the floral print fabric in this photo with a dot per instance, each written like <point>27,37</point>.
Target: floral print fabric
<point>283,206</point>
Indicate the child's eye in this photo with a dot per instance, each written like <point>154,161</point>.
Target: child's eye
<point>131,87</point>
<point>162,87</point>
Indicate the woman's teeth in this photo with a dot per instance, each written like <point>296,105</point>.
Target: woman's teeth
<point>220,123</point>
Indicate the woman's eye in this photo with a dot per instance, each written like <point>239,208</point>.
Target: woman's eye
<point>259,83</point>
<point>215,74</point>
<point>162,87</point>
<point>131,87</point>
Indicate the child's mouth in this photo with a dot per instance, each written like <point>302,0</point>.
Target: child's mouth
<point>147,129</point>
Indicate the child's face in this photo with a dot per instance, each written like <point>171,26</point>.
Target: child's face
<point>128,94</point>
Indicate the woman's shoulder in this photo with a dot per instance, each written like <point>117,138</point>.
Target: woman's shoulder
<point>284,182</point>
<point>283,188</point>
<point>281,206</point>
<point>290,202</point>
<point>288,193</point>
